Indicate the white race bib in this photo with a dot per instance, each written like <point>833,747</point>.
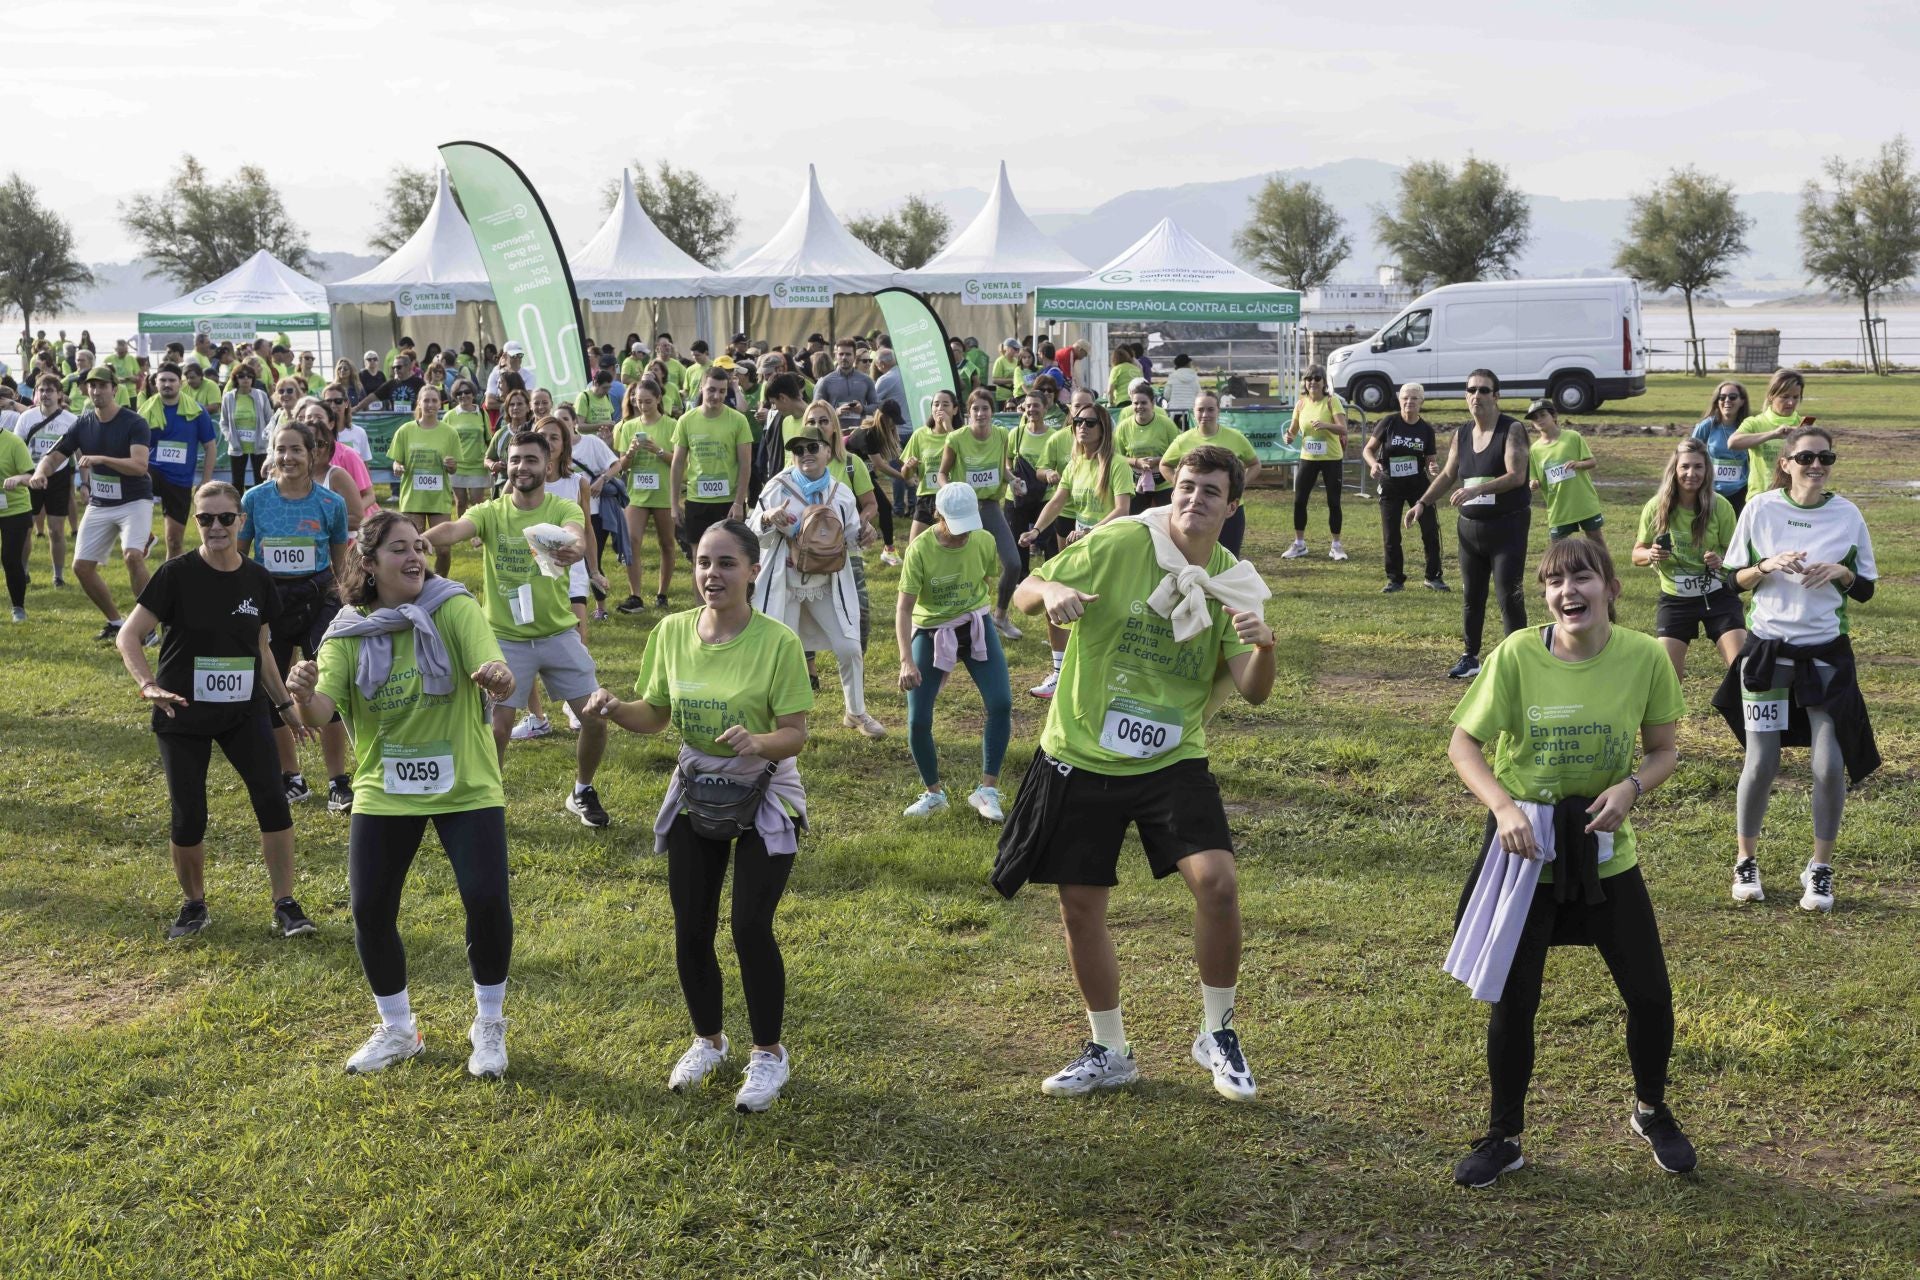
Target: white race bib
<point>708,487</point>
<point>104,486</point>
<point>222,679</point>
<point>425,770</point>
<point>1693,584</point>
<point>1728,473</point>
<point>520,604</point>
<point>428,481</point>
<point>647,480</point>
<point>1313,447</point>
<point>284,557</point>
<point>244,435</point>
<point>1132,728</point>
<point>1402,468</point>
<point>1764,712</point>
<point>1560,473</point>
<point>984,480</point>
<point>42,445</point>
<point>171,453</point>
<point>1478,500</point>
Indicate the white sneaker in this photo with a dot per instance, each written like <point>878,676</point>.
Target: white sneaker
<point>1746,881</point>
<point>531,726</point>
<point>386,1046</point>
<point>1294,552</point>
<point>1097,1067</point>
<point>1219,1052</point>
<point>1336,551</point>
<point>1817,880</point>
<point>1046,687</point>
<point>573,720</point>
<point>865,725</point>
<point>488,1061</point>
<point>930,802</point>
<point>986,802</point>
<point>889,559</point>
<point>1006,629</point>
<point>766,1074</point>
<point>699,1061</point>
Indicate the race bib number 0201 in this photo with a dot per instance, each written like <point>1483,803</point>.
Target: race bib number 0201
<point>1133,728</point>
<point>425,770</point>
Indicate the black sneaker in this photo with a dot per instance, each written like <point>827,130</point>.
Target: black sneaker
<point>632,604</point>
<point>297,788</point>
<point>1466,669</point>
<point>290,919</point>
<point>1392,587</point>
<point>1489,1158</point>
<point>1438,584</point>
<point>1671,1150</point>
<point>192,919</point>
<point>340,795</point>
<point>660,602</point>
<point>585,805</point>
<point>109,632</point>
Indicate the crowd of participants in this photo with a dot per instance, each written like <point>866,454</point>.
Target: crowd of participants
<point>319,605</point>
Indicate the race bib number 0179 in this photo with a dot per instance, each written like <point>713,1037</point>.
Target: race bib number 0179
<point>1133,728</point>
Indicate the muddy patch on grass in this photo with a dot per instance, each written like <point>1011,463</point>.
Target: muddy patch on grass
<point>41,993</point>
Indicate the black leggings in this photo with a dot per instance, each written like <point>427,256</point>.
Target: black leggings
<point>696,866</point>
<point>380,849</point>
<point>1492,550</point>
<point>883,516</point>
<point>249,748</point>
<point>1623,930</point>
<point>1309,474</point>
<point>1393,503</point>
<point>16,534</point>
<point>237,465</point>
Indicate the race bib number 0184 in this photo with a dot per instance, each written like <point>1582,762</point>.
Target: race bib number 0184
<point>1402,468</point>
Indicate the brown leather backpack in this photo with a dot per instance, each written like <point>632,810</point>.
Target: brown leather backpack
<point>820,543</point>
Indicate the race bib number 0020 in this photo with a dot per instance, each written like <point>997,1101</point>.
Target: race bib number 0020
<point>425,770</point>
<point>1133,728</point>
<point>707,488</point>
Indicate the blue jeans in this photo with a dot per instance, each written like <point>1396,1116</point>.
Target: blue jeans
<point>989,676</point>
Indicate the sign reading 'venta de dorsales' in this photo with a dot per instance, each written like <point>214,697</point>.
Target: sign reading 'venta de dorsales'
<point>423,302</point>
<point>606,299</point>
<point>521,251</point>
<point>993,291</point>
<point>794,293</point>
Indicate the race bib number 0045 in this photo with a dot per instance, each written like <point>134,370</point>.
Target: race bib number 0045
<point>1765,712</point>
<point>1133,728</point>
<point>425,770</point>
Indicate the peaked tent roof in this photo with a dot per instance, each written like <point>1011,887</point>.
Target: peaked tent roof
<point>1001,243</point>
<point>1168,275</point>
<point>812,248</point>
<point>262,290</point>
<point>441,254</point>
<point>630,251</point>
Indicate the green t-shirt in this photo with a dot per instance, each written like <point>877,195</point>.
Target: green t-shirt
<point>1131,698</point>
<point>690,378</point>
<point>1564,729</point>
<point>415,753</point>
<point>1570,494</point>
<point>946,582</point>
<point>978,362</point>
<point>1147,439</point>
<point>246,424</point>
<point>593,409</point>
<point>713,453</point>
<point>1226,438</point>
<point>15,460</point>
<point>208,395</point>
<point>1010,370</point>
<point>929,447</point>
<point>852,473</point>
<point>1761,458</point>
<point>522,602</point>
<point>751,680</point>
<point>1684,573</point>
<point>648,476</point>
<point>632,369</point>
<point>1119,380</point>
<point>473,431</point>
<point>1045,451</point>
<point>981,463</point>
<point>1081,476</point>
<point>1318,441</point>
<point>423,453</point>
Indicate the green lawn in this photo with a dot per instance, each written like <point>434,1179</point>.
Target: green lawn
<point>169,1109</point>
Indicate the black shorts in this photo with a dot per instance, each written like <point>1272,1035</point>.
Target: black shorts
<point>1681,617</point>
<point>923,512</point>
<point>1076,819</point>
<point>700,517</point>
<point>57,498</point>
<point>176,501</point>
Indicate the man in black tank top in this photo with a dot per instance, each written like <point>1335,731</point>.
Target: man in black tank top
<point>1488,459</point>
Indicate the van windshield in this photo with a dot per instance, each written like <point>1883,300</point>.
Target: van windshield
<point>1409,330</point>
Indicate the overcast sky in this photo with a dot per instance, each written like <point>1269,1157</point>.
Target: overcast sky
<point>1577,100</point>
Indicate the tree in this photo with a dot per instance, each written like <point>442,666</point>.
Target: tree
<point>197,229</point>
<point>38,272</point>
<point>1684,234</point>
<point>410,194</point>
<point>1446,229</point>
<point>1294,234</point>
<point>688,212</point>
<point>906,237</point>
<point>1863,237</point>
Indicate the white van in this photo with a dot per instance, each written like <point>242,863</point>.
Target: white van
<point>1577,342</point>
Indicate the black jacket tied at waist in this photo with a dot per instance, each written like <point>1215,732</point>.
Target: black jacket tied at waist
<point>1576,853</point>
<point>1840,697</point>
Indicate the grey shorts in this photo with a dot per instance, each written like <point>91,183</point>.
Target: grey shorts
<point>561,661</point>
<point>473,484</point>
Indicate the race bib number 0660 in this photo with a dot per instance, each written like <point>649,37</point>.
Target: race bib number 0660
<point>1133,728</point>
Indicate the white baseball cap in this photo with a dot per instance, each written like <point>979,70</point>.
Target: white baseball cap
<point>959,506</point>
<point>514,349</point>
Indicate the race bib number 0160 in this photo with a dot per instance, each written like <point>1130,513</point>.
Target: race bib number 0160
<point>425,770</point>
<point>289,555</point>
<point>1765,712</point>
<point>1133,728</point>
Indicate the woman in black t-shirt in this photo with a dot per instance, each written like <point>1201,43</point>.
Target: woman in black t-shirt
<point>1399,454</point>
<point>215,683</point>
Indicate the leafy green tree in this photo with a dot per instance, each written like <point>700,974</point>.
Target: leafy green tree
<point>196,229</point>
<point>38,272</point>
<point>1447,228</point>
<point>409,197</point>
<point>1684,234</point>
<point>1294,234</point>
<point>908,236</point>
<point>687,210</point>
<point>1862,236</point>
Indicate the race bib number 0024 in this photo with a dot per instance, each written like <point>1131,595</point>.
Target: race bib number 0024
<point>1133,728</point>
<point>985,479</point>
<point>425,770</point>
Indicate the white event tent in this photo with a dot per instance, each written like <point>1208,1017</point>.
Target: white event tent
<point>261,295</point>
<point>808,278</point>
<point>981,282</point>
<point>433,288</point>
<point>632,279</point>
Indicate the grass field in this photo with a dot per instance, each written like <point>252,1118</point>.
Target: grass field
<point>180,1109</point>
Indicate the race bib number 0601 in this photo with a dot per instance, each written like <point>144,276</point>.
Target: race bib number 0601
<point>1133,728</point>
<point>425,770</point>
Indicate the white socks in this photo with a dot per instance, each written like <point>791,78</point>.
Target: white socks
<point>1108,1030</point>
<point>579,788</point>
<point>1218,1002</point>
<point>1059,656</point>
<point>490,998</point>
<point>396,1010</point>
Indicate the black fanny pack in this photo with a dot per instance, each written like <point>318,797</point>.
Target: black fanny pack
<point>720,808</point>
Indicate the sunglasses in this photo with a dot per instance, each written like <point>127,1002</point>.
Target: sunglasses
<point>1480,391</point>
<point>1315,378</point>
<point>1086,422</point>
<point>333,400</point>
<point>808,447</point>
<point>1732,396</point>
<point>1807,457</point>
<point>226,518</point>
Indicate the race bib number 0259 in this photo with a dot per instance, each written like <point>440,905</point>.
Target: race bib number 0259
<point>426,770</point>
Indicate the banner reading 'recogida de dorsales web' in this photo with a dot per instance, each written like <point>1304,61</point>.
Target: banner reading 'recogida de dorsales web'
<point>518,245</point>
